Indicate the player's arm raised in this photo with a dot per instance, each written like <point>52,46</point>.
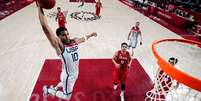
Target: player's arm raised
<point>86,37</point>
<point>47,30</point>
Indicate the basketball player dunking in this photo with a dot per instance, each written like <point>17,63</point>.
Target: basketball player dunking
<point>67,49</point>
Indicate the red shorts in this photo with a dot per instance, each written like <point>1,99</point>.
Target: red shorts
<point>97,11</point>
<point>120,75</point>
<point>62,25</point>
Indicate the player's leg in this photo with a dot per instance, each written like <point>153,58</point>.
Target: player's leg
<point>115,78</point>
<point>123,77</point>
<point>58,85</point>
<point>61,94</point>
<point>48,90</point>
<point>62,77</point>
<point>133,42</point>
<point>132,54</point>
<point>133,45</point>
<point>52,90</point>
<point>122,91</point>
<point>130,45</point>
<point>98,12</point>
<point>68,85</point>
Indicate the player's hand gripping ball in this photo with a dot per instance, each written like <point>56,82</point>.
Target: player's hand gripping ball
<point>47,4</point>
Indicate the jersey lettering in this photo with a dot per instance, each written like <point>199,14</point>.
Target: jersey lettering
<point>72,49</point>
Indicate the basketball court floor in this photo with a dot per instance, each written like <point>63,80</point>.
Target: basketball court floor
<point>24,47</point>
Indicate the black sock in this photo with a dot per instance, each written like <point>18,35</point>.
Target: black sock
<point>123,87</point>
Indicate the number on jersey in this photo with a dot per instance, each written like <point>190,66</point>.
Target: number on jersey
<point>74,56</point>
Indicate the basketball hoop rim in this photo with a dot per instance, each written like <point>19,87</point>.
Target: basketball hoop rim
<point>176,74</point>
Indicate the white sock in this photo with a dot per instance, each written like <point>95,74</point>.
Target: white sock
<point>62,95</point>
<point>51,91</point>
<point>122,93</point>
<point>58,85</point>
<point>115,87</point>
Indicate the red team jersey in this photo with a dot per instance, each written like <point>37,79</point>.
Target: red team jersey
<point>122,59</point>
<point>61,19</point>
<point>135,29</point>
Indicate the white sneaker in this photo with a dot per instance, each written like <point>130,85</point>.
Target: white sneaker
<point>122,96</point>
<point>132,54</point>
<point>115,87</point>
<point>45,90</point>
<point>52,87</point>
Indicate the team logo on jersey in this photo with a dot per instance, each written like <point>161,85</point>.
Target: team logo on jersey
<point>122,57</point>
<point>72,49</point>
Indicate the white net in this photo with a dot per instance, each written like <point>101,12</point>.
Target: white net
<point>168,89</point>
<point>189,61</point>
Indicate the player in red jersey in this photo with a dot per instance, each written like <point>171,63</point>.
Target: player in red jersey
<point>61,18</point>
<point>98,8</point>
<point>122,60</point>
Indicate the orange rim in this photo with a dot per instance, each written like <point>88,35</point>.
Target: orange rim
<point>178,75</point>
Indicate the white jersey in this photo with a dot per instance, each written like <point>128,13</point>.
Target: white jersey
<point>70,59</point>
<point>134,34</point>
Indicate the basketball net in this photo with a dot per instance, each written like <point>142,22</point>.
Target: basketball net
<point>168,86</point>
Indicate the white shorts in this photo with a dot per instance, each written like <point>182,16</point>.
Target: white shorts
<point>133,42</point>
<point>68,81</point>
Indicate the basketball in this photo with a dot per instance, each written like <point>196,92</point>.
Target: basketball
<point>47,4</point>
